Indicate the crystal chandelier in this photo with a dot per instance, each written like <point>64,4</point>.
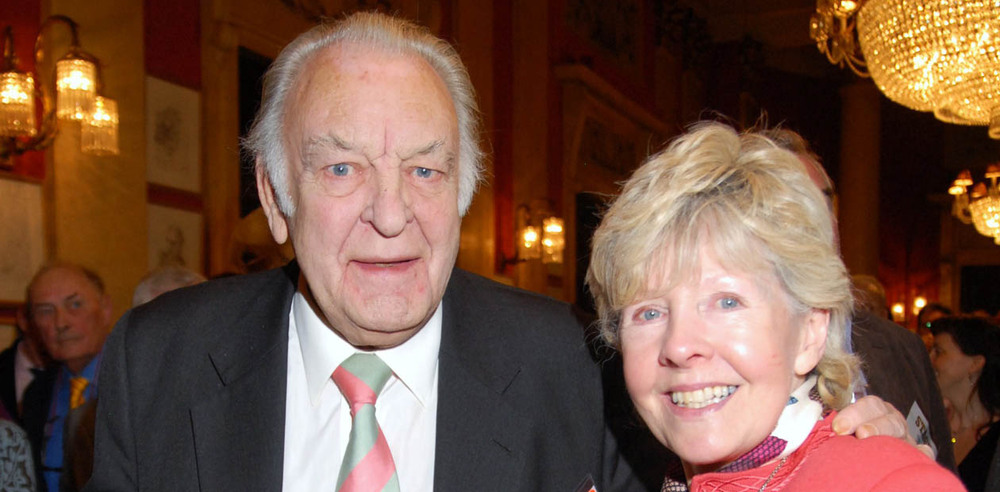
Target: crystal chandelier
<point>981,207</point>
<point>941,56</point>
<point>832,27</point>
<point>73,97</point>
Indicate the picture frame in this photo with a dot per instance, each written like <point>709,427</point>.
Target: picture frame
<point>173,135</point>
<point>176,237</point>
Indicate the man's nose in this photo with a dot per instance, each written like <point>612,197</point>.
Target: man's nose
<point>389,210</point>
<point>61,320</point>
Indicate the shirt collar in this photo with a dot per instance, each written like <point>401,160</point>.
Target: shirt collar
<point>414,362</point>
<point>21,359</point>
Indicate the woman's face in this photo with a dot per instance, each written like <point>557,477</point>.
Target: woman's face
<point>953,368</point>
<point>710,363</point>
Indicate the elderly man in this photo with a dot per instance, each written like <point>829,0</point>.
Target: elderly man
<point>72,313</point>
<point>367,156</point>
<point>370,363</point>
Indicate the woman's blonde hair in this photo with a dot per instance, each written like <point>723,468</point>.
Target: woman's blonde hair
<point>754,203</point>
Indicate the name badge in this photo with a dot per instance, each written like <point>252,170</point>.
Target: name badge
<point>919,429</point>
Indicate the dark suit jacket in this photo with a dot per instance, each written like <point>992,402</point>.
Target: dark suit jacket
<point>35,413</point>
<point>193,392</point>
<point>8,388</point>
<point>898,370</point>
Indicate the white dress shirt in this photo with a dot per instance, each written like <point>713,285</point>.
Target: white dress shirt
<point>318,418</point>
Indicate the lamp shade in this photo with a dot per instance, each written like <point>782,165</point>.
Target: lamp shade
<point>941,56</point>
<point>99,130</point>
<point>17,104</point>
<point>76,87</point>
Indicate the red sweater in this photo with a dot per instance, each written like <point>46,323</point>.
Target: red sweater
<point>827,462</point>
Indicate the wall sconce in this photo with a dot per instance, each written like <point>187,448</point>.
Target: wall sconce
<point>918,303</point>
<point>527,244</point>
<point>981,206</point>
<point>73,97</point>
<point>539,236</point>
<point>898,312</point>
<point>553,240</point>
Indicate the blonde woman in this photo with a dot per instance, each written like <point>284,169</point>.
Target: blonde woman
<point>716,276</point>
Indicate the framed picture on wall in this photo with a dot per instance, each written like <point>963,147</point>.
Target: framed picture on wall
<point>175,238</point>
<point>173,135</point>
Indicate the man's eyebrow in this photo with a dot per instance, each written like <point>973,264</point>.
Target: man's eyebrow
<point>328,140</point>
<point>67,298</point>
<point>425,150</point>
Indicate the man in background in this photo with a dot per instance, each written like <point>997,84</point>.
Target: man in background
<point>895,366</point>
<point>69,308</point>
<point>164,279</point>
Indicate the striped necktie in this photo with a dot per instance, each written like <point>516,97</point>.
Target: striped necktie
<point>77,391</point>
<point>367,465</point>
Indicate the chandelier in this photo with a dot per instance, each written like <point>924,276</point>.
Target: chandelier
<point>72,98</point>
<point>941,56</point>
<point>832,27</point>
<point>981,207</point>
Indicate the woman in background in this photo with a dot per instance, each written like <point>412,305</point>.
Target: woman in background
<point>716,276</point>
<point>966,358</point>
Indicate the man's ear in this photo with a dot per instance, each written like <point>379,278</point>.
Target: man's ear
<point>275,219</point>
<point>813,341</point>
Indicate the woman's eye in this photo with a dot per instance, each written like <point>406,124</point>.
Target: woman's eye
<point>340,169</point>
<point>729,303</point>
<point>649,314</point>
<point>423,172</point>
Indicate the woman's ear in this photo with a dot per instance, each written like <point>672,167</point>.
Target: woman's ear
<point>978,361</point>
<point>812,344</point>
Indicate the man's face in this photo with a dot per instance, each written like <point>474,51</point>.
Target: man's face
<point>71,316</point>
<point>372,146</point>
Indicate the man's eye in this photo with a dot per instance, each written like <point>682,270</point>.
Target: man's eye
<point>43,312</point>
<point>423,172</point>
<point>340,169</point>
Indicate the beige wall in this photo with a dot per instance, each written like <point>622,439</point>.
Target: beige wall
<point>96,206</point>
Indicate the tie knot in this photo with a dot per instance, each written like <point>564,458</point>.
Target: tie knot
<point>361,378</point>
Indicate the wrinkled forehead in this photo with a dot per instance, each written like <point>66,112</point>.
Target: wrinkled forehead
<point>57,283</point>
<point>345,63</point>
<point>358,91</point>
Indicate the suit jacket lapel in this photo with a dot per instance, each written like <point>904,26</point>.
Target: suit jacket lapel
<point>478,431</point>
<point>239,433</point>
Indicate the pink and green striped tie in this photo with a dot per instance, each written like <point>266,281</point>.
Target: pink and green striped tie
<point>368,465</point>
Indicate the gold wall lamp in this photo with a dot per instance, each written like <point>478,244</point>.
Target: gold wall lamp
<point>539,236</point>
<point>73,97</point>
